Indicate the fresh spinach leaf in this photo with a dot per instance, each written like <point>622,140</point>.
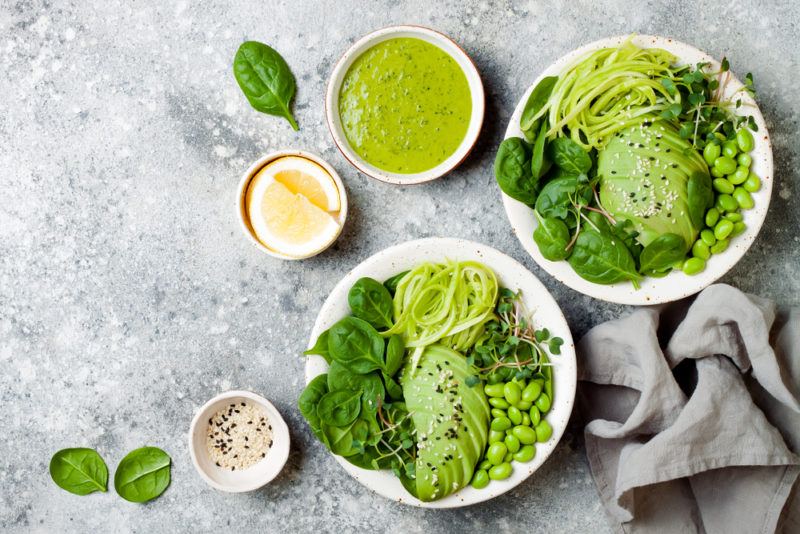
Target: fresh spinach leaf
<point>391,283</point>
<point>339,408</point>
<point>143,474</point>
<point>340,439</point>
<point>80,471</point>
<point>662,253</point>
<point>699,197</point>
<point>339,377</point>
<point>393,389</point>
<point>557,196</point>
<point>355,344</point>
<point>539,163</point>
<point>536,101</point>
<point>321,347</point>
<point>309,400</point>
<point>552,237</point>
<point>512,170</point>
<point>395,352</point>
<point>601,258</point>
<point>265,79</point>
<point>569,155</point>
<point>370,300</point>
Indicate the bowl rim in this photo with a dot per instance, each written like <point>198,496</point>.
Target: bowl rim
<point>546,310</point>
<point>241,193</point>
<point>477,93</point>
<point>675,285</point>
<point>279,453</point>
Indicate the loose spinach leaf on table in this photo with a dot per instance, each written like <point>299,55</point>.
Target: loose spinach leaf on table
<point>339,408</point>
<point>321,347</point>
<point>143,474</point>
<point>601,258</point>
<point>569,155</point>
<point>370,300</point>
<point>309,400</point>
<point>662,253</point>
<point>512,170</point>
<point>391,283</point>
<point>80,471</point>
<point>536,101</point>
<point>265,79</point>
<point>552,237</point>
<point>355,344</point>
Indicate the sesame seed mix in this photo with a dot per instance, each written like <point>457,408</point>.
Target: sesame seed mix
<point>238,436</point>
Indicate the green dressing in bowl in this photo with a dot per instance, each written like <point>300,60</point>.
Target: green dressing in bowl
<point>405,105</point>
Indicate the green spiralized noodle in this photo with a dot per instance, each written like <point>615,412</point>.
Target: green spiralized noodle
<point>607,91</point>
<point>443,303</point>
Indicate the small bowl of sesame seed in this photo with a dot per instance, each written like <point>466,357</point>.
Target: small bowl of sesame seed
<point>238,441</point>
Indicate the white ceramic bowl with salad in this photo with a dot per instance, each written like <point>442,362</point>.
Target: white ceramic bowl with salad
<point>395,80</point>
<point>676,284</point>
<point>543,312</point>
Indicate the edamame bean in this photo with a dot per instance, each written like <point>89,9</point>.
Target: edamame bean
<point>525,434</point>
<point>734,217</point>
<point>720,246</point>
<point>536,416</point>
<point>712,216</point>
<point>738,228</point>
<point>753,183</point>
<point>708,238</point>
<point>723,229</point>
<point>485,464</point>
<point>729,149</point>
<point>496,435</point>
<point>500,472</point>
<point>717,173</point>
<point>744,140</point>
<point>531,392</point>
<point>497,412</point>
<point>693,266</point>
<point>711,152</point>
<point>497,402</point>
<point>501,424</point>
<point>720,136</point>
<point>543,431</point>
<point>744,160</point>
<point>723,185</point>
<point>496,452</point>
<point>515,415</point>
<point>739,176</point>
<point>507,458</point>
<point>493,390</point>
<point>727,203</point>
<point>512,443</point>
<point>525,454</point>
<point>543,403</point>
<point>700,250</point>
<point>725,164</point>
<point>743,198</point>
<point>524,405</point>
<point>526,419</point>
<point>480,479</point>
<point>512,392</point>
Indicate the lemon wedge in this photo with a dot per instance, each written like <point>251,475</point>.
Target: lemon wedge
<point>291,204</point>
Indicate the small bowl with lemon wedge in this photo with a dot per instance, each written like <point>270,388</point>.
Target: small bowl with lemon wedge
<point>292,204</point>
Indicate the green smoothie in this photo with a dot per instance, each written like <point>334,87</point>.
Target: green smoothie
<point>405,105</point>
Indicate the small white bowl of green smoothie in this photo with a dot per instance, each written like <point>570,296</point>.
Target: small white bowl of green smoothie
<point>405,105</point>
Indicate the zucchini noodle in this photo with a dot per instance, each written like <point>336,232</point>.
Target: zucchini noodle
<point>607,91</point>
<point>443,303</point>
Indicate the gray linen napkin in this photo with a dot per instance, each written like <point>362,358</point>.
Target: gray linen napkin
<point>698,437</point>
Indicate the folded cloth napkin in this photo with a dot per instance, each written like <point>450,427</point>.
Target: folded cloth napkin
<point>700,436</point>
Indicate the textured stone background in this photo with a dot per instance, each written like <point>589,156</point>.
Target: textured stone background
<point>128,296</point>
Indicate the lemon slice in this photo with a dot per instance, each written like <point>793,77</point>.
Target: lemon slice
<point>289,207</point>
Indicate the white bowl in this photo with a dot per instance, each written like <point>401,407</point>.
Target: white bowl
<point>675,285</point>
<point>452,49</point>
<point>510,273</point>
<point>241,201</point>
<point>254,476</point>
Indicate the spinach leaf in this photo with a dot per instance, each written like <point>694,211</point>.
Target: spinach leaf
<point>393,389</point>
<point>512,170</point>
<point>539,164</point>
<point>321,347</point>
<point>391,283</point>
<point>552,237</point>
<point>569,155</point>
<point>265,79</point>
<point>601,258</point>
<point>309,400</point>
<point>356,344</point>
<point>699,197</point>
<point>662,253</point>
<point>556,197</point>
<point>339,440</point>
<point>340,377</point>
<point>536,101</point>
<point>143,474</point>
<point>80,471</point>
<point>395,351</point>
<point>339,408</point>
<point>370,300</point>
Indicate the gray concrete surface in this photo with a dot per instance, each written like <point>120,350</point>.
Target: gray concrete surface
<point>128,296</point>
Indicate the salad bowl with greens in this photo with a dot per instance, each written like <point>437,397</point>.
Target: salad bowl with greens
<point>440,373</point>
<point>636,169</point>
